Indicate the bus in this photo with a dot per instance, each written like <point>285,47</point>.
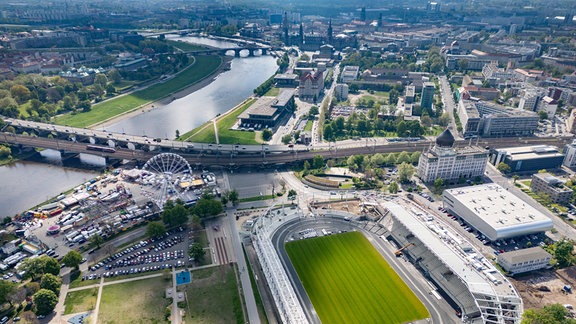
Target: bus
<point>106,149</point>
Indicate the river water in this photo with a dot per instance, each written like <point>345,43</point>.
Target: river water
<point>26,184</point>
<point>191,111</point>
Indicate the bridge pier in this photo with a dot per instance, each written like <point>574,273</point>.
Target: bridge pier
<point>250,52</point>
<point>237,53</point>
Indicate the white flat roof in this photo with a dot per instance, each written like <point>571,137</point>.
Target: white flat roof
<point>497,206</point>
<point>456,260</point>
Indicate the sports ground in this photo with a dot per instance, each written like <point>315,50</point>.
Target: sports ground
<point>348,281</point>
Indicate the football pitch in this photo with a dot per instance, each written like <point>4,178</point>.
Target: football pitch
<point>348,281</point>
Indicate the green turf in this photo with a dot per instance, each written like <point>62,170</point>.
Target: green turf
<point>202,67</point>
<point>273,92</point>
<point>81,300</point>
<point>308,127</point>
<point>348,281</point>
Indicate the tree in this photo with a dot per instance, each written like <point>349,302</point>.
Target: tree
<point>328,132</point>
<point>403,157</point>
<point>438,184</point>
<point>286,139</point>
<point>196,251</point>
<point>233,197</point>
<point>405,172</point>
<point>318,162</point>
<point>267,134</point>
<point>72,259</point>
<point>96,241</point>
<point>554,313</point>
<point>208,207</point>
<point>115,76</point>
<point>563,253</point>
<point>20,93</point>
<point>101,79</point>
<point>51,282</point>
<point>110,89</point>
<point>515,177</point>
<point>36,267</point>
<point>7,288</point>
<point>45,301</point>
<point>292,194</point>
<point>543,114</point>
<point>503,167</point>
<point>175,216</point>
<point>177,134</point>
<point>393,187</point>
<point>313,111</point>
<point>155,229</point>
<point>224,200</point>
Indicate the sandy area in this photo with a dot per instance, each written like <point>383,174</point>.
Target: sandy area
<point>166,100</point>
<point>529,287</point>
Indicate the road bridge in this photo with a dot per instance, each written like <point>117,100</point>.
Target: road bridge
<point>232,156</point>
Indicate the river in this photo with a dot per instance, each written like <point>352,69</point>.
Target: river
<point>191,111</point>
<point>26,184</point>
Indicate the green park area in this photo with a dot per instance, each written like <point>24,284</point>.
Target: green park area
<point>213,296</point>
<point>348,281</point>
<point>80,301</point>
<point>206,134</point>
<point>139,301</point>
<point>201,67</point>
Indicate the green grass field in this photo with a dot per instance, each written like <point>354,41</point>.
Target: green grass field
<point>140,301</point>
<point>205,133</point>
<point>348,281</point>
<point>202,67</point>
<point>81,300</point>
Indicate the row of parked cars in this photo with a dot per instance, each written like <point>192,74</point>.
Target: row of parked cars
<point>122,272</point>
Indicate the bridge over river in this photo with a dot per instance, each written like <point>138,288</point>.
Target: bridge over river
<point>71,140</point>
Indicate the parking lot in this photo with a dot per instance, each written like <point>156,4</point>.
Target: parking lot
<point>502,245</point>
<point>145,256</point>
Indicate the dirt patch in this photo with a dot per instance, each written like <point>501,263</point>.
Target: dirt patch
<point>533,287</point>
<point>351,206</point>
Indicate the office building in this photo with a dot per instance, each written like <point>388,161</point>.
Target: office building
<point>547,184</point>
<point>427,99</point>
<point>515,262</point>
<point>528,158</point>
<point>445,162</point>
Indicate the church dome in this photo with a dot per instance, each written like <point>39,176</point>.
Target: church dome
<point>446,139</point>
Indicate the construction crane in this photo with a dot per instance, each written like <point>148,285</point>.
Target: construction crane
<point>399,251</point>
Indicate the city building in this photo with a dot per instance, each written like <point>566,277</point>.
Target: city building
<point>267,111</point>
<point>571,124</point>
<point>486,119</point>
<point>410,94</point>
<point>549,105</point>
<point>427,98</point>
<point>341,91</point>
<point>311,85</point>
<point>445,162</point>
<point>349,73</point>
<point>494,74</point>
<point>289,80</point>
<point>529,99</point>
<point>495,211</point>
<point>528,158</point>
<point>570,154</point>
<point>545,183</point>
<point>480,292</point>
<point>524,260</point>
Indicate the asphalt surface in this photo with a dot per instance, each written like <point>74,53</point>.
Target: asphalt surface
<point>440,311</point>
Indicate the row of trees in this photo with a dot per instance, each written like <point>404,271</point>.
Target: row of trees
<point>361,125</point>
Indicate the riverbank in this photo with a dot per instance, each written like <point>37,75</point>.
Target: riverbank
<point>204,68</point>
<point>223,67</point>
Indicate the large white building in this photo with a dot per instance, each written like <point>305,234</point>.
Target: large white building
<point>494,211</point>
<point>481,292</point>
<point>446,162</point>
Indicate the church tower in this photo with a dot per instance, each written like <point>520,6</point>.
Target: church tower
<point>330,32</point>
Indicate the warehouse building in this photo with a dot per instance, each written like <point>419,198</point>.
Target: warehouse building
<point>524,260</point>
<point>494,211</point>
<point>481,293</point>
<point>528,158</point>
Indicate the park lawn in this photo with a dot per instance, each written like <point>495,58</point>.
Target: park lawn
<point>80,300</point>
<point>273,92</point>
<point>201,67</point>
<point>205,133</point>
<point>348,281</point>
<point>308,127</point>
<point>76,280</point>
<point>213,297</point>
<point>139,301</point>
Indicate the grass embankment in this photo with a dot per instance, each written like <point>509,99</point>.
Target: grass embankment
<point>257,297</point>
<point>348,281</point>
<point>80,301</point>
<point>308,127</point>
<point>202,67</point>
<point>205,133</point>
<point>273,92</point>
<point>139,301</point>
<point>213,297</point>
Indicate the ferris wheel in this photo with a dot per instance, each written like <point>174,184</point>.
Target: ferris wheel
<point>169,170</point>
